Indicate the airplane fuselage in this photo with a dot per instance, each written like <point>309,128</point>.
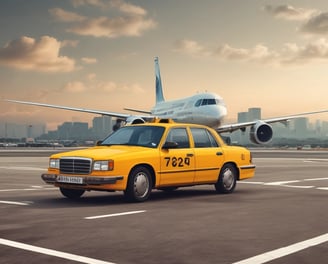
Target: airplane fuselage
<point>204,108</point>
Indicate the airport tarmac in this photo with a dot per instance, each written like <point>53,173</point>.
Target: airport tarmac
<point>279,216</point>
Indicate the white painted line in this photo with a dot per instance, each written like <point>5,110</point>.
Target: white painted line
<point>51,252</point>
<point>14,203</point>
<point>28,189</point>
<point>316,179</point>
<point>284,251</point>
<point>323,188</point>
<point>250,182</point>
<point>111,215</point>
<point>300,187</point>
<point>281,182</point>
<point>22,168</point>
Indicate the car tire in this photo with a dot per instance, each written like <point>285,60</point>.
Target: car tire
<point>139,185</point>
<point>71,193</point>
<point>227,179</point>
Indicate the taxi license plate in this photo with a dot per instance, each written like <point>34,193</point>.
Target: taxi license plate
<point>67,179</point>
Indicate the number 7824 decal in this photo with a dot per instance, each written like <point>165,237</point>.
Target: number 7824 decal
<point>177,161</point>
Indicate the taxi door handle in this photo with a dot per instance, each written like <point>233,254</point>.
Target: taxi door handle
<point>190,155</point>
<point>219,153</point>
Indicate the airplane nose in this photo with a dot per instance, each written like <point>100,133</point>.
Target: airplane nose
<point>215,115</point>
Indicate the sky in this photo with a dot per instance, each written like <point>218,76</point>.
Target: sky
<point>99,54</point>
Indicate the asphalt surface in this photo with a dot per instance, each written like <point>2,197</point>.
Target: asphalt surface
<point>279,216</point>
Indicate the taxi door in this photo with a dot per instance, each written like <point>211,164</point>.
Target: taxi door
<point>209,156</point>
<point>177,159</point>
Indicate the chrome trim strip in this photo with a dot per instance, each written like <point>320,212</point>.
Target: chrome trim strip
<point>247,167</point>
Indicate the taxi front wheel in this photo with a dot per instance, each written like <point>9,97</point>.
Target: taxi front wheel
<point>139,185</point>
<point>71,193</point>
<point>227,179</point>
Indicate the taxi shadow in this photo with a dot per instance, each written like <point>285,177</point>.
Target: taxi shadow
<point>102,199</point>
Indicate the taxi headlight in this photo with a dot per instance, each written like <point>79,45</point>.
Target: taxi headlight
<point>54,163</point>
<point>103,165</point>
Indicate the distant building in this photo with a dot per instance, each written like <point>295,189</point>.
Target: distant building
<point>242,137</point>
<point>301,127</point>
<point>102,126</point>
<point>12,130</point>
<point>254,114</point>
<point>73,130</point>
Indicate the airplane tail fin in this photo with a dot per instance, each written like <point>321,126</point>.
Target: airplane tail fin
<point>159,88</point>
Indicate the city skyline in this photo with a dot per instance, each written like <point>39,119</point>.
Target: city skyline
<point>300,128</point>
<point>99,54</point>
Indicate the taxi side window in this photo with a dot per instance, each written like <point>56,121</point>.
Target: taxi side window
<point>203,138</point>
<point>180,136</point>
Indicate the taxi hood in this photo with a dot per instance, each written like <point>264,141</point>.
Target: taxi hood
<point>102,152</point>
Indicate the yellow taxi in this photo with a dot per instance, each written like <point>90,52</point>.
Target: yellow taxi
<point>158,155</point>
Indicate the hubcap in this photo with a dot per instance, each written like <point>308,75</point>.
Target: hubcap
<point>228,179</point>
<point>141,185</point>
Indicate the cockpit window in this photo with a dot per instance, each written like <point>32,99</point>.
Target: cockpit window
<point>198,103</point>
<point>211,101</point>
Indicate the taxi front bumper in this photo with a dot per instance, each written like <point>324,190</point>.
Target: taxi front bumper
<point>80,180</point>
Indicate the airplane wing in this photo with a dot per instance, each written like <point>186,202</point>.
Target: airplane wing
<point>138,111</point>
<point>282,119</point>
<point>91,111</point>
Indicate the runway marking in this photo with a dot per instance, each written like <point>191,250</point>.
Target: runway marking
<point>284,251</point>
<point>22,168</point>
<point>28,189</point>
<point>52,252</point>
<point>316,179</point>
<point>111,215</point>
<point>286,183</point>
<point>280,182</point>
<point>323,188</point>
<point>315,160</point>
<point>14,203</point>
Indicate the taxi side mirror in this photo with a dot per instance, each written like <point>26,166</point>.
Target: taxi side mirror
<point>170,145</point>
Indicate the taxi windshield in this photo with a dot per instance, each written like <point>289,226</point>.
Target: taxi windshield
<point>145,136</point>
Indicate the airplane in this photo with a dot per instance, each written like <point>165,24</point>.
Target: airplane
<point>202,108</point>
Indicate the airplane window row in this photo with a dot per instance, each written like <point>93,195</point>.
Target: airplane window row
<point>212,101</point>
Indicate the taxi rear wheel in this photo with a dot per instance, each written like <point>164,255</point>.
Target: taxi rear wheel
<point>139,185</point>
<point>227,179</point>
<point>71,193</point>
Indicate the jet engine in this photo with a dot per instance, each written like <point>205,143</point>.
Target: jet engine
<point>130,120</point>
<point>134,120</point>
<point>261,133</point>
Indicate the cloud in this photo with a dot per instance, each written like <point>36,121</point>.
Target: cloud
<point>128,8</point>
<point>97,3</point>
<point>113,28</point>
<point>190,47</point>
<point>69,43</point>
<point>290,54</point>
<point>65,16</point>
<point>313,51</point>
<point>317,24</point>
<point>41,55</point>
<point>259,53</point>
<point>289,12</point>
<point>116,4</point>
<point>131,23</point>
<point>89,60</point>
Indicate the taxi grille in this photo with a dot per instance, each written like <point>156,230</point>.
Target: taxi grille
<point>75,166</point>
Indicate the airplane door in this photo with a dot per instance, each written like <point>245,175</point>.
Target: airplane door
<point>178,163</point>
